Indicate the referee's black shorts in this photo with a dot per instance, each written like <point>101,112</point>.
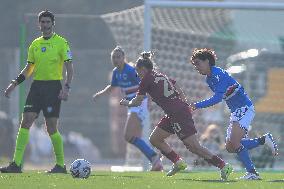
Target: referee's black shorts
<point>43,95</point>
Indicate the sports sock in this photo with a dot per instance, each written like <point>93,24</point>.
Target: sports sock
<point>216,161</point>
<point>174,157</point>
<point>261,139</point>
<point>143,147</point>
<point>250,143</point>
<point>57,143</point>
<point>245,159</point>
<point>21,143</point>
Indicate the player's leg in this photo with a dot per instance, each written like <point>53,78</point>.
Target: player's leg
<point>157,139</point>
<point>264,139</point>
<point>57,142</point>
<point>133,135</point>
<point>51,111</point>
<point>185,129</point>
<point>253,143</point>
<point>137,118</point>
<point>21,143</point>
<point>237,130</point>
<point>192,144</point>
<point>233,145</point>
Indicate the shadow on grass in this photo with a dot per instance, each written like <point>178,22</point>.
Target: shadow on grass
<point>208,180</point>
<point>120,176</point>
<point>276,180</point>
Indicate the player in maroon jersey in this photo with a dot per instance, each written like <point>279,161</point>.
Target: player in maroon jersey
<point>178,119</point>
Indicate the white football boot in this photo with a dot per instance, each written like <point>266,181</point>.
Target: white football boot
<point>250,176</point>
<point>270,142</point>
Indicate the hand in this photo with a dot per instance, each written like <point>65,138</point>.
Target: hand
<point>95,97</point>
<point>124,102</point>
<point>192,107</point>
<point>9,89</point>
<point>64,93</point>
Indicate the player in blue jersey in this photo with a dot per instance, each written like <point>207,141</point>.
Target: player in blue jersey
<point>125,77</point>
<point>242,110</point>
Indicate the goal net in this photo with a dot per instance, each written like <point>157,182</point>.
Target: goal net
<point>249,41</point>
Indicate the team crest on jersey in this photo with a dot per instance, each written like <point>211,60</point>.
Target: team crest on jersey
<point>69,54</point>
<point>43,49</point>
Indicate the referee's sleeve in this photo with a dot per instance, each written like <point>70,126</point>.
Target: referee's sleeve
<point>31,57</point>
<point>67,55</point>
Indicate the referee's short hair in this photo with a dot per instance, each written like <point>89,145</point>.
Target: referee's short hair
<point>46,13</point>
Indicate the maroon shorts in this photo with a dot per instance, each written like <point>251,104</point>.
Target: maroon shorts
<point>180,124</point>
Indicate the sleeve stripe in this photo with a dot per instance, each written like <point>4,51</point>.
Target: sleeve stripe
<point>30,62</point>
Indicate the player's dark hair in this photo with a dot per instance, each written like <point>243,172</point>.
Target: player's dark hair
<point>46,13</point>
<point>145,60</point>
<point>204,54</point>
<point>118,49</point>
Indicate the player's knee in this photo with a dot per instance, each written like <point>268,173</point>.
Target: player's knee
<point>129,138</point>
<point>154,140</point>
<point>230,147</point>
<point>51,130</point>
<point>26,123</point>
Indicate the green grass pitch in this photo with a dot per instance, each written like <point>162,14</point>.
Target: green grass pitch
<point>138,180</point>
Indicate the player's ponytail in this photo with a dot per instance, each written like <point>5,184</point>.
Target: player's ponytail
<point>147,55</point>
<point>145,60</point>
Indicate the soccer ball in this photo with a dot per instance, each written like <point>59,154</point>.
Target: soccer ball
<point>80,168</point>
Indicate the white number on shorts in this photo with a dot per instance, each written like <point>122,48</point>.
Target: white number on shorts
<point>176,127</point>
<point>167,92</point>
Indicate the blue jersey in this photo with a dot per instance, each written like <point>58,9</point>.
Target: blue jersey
<point>225,87</point>
<point>127,79</point>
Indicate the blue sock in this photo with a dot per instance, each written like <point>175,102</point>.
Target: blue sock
<point>245,159</point>
<point>250,143</point>
<point>143,147</point>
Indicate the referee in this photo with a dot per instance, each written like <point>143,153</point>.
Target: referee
<point>46,57</point>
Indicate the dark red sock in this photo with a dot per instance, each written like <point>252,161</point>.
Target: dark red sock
<point>216,161</point>
<point>172,156</point>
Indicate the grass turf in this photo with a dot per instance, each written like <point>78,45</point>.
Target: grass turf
<point>138,180</point>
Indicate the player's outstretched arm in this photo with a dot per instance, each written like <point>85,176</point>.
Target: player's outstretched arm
<point>106,90</point>
<point>25,73</point>
<point>137,101</point>
<point>215,99</point>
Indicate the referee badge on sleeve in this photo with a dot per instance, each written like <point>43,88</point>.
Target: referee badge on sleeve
<point>43,49</point>
<point>69,54</point>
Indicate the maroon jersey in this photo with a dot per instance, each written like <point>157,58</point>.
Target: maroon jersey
<point>162,91</point>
